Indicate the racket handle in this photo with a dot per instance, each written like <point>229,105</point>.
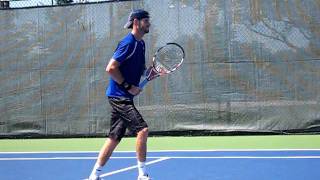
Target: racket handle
<point>143,83</point>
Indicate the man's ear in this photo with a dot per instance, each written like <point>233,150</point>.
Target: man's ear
<point>135,22</point>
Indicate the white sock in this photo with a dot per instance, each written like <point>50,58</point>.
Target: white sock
<point>96,171</point>
<point>142,168</point>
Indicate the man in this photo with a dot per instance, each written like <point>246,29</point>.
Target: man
<point>125,69</point>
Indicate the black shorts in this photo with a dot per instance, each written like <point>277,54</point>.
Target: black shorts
<point>124,115</point>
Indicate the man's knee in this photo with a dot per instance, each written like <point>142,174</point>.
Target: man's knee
<point>144,132</point>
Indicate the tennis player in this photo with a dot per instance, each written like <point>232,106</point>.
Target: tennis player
<point>125,68</point>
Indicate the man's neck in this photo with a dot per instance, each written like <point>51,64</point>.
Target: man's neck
<point>137,35</point>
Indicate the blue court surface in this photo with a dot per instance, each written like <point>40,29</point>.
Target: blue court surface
<point>167,165</point>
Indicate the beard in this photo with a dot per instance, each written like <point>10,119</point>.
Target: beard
<point>144,30</point>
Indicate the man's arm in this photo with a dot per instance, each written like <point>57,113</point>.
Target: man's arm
<point>113,70</point>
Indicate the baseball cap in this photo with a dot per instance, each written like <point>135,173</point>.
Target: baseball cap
<point>136,14</point>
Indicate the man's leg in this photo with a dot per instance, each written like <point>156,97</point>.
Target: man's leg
<point>141,149</point>
<point>104,155</point>
<point>106,150</point>
<point>139,127</point>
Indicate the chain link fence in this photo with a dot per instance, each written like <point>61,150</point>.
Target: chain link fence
<point>251,66</point>
<point>23,4</point>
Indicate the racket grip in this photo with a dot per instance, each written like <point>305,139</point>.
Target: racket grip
<point>143,83</point>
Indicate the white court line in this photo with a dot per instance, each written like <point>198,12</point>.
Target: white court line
<point>69,158</point>
<point>150,151</point>
<point>47,158</point>
<point>248,157</point>
<point>166,157</point>
<point>131,167</point>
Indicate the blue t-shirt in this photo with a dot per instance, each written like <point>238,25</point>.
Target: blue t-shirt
<point>130,53</point>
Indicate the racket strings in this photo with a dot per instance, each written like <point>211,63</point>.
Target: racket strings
<point>168,58</point>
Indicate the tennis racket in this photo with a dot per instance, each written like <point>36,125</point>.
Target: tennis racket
<point>166,60</point>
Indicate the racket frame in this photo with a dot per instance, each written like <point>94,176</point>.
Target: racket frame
<point>153,72</point>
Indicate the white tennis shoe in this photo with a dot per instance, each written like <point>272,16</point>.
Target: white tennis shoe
<point>145,177</point>
<point>94,178</point>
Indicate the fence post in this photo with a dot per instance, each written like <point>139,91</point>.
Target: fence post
<point>4,4</point>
